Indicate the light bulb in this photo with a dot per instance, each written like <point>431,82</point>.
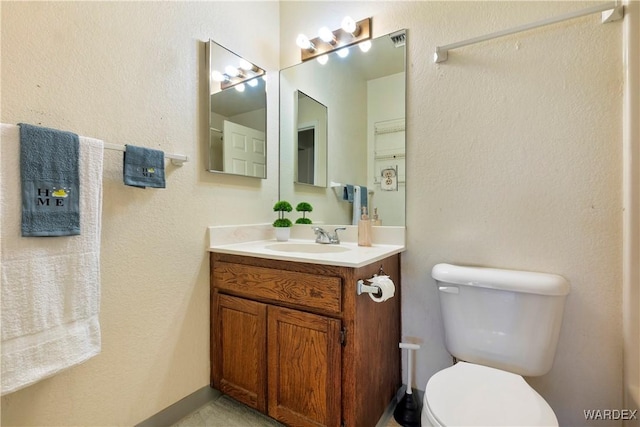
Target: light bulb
<point>326,35</point>
<point>343,53</point>
<point>349,25</point>
<point>322,59</point>
<point>240,87</point>
<point>218,76</point>
<point>253,82</point>
<point>232,71</point>
<point>246,65</point>
<point>365,46</point>
<point>303,42</point>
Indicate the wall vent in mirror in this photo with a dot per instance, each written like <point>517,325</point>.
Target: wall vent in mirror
<point>237,114</point>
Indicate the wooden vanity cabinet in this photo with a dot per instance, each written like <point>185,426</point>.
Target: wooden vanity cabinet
<point>294,341</point>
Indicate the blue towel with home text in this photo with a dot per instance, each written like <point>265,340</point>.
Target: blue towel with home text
<point>143,167</point>
<point>50,181</point>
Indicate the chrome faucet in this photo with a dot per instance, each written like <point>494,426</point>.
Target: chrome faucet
<point>323,236</point>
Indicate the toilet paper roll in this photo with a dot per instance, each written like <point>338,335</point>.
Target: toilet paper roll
<point>386,285</point>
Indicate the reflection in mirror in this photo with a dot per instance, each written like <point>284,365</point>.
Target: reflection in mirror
<point>364,95</point>
<point>237,114</point>
<point>311,141</point>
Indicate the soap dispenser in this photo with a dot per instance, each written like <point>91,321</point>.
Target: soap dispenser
<point>376,221</point>
<point>364,229</point>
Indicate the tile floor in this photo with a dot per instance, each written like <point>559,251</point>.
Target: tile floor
<point>226,412</point>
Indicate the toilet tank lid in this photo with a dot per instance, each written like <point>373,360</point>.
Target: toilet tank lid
<point>508,280</point>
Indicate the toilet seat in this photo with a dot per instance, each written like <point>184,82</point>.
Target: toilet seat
<point>473,395</point>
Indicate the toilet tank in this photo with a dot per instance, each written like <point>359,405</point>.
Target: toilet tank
<point>505,319</point>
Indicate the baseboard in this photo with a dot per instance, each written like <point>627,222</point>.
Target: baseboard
<point>181,408</point>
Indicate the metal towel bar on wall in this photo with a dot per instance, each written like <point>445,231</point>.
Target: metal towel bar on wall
<point>176,159</point>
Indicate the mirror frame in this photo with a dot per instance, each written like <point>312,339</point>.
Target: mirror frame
<point>354,126</point>
<point>248,130</point>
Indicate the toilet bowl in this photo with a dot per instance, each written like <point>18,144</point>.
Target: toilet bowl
<point>474,395</point>
<point>504,324</point>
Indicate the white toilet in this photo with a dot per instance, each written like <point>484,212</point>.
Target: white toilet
<point>499,324</point>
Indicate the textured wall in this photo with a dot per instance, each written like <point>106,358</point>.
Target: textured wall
<point>133,72</point>
<point>514,154</point>
<point>513,161</point>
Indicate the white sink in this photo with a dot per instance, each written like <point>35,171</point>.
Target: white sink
<point>310,248</point>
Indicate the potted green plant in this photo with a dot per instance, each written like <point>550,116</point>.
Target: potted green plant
<point>282,224</point>
<point>304,207</point>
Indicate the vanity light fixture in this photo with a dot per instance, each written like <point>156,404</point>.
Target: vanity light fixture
<point>304,43</point>
<point>350,33</point>
<point>350,26</point>
<point>218,76</point>
<point>235,76</point>
<point>327,36</point>
<point>248,66</point>
<point>232,71</point>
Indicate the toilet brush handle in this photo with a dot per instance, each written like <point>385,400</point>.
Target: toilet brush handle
<point>410,348</point>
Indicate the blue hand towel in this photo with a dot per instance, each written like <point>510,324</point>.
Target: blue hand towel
<point>364,196</point>
<point>348,193</point>
<point>50,181</point>
<point>143,167</point>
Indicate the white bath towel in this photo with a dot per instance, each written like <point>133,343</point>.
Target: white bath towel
<point>50,285</point>
<point>357,205</point>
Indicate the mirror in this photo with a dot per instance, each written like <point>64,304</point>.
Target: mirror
<point>363,100</point>
<point>237,114</point>
<point>310,146</point>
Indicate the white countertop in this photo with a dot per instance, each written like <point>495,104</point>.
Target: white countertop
<point>354,256</point>
<point>257,241</point>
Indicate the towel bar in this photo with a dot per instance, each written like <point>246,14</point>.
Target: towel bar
<point>176,159</point>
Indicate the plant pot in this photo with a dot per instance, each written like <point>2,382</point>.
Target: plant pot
<point>282,233</point>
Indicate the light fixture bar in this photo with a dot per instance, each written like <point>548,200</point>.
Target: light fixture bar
<point>255,73</point>
<point>342,39</point>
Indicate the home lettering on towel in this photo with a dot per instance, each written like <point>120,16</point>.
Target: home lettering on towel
<point>54,197</point>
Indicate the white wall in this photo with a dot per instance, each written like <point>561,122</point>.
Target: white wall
<point>631,216</point>
<point>514,154</point>
<point>513,161</point>
<point>134,72</point>
<point>386,103</point>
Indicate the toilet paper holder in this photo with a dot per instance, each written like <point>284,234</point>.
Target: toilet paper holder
<point>367,289</point>
<point>361,288</point>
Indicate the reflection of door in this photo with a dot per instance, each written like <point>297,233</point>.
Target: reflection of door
<point>306,154</point>
<point>244,150</point>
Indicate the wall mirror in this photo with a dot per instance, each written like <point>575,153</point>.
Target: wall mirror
<point>310,144</point>
<point>363,97</point>
<point>237,114</point>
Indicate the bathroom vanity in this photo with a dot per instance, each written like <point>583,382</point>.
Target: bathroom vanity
<point>292,339</point>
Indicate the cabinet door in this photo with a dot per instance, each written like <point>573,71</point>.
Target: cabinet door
<point>304,368</point>
<point>240,339</point>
